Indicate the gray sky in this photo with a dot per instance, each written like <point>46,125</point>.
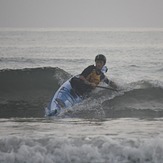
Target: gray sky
<point>81,13</point>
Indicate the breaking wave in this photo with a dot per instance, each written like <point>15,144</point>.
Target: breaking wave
<point>141,99</point>
<point>25,93</point>
<point>82,150</point>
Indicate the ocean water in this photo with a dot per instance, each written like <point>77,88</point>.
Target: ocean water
<point>108,127</point>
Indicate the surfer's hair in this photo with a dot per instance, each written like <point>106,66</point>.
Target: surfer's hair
<point>100,57</point>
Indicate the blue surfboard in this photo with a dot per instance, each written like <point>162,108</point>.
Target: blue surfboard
<point>64,98</point>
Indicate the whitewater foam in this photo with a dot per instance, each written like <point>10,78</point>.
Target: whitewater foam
<point>90,150</point>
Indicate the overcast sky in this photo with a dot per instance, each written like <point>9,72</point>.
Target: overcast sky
<point>81,13</point>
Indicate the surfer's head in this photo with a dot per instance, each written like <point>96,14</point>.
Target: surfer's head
<point>100,60</point>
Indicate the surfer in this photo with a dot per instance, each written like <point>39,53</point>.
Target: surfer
<point>91,77</point>
<point>77,88</point>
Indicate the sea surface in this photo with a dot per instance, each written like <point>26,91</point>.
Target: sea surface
<point>108,127</point>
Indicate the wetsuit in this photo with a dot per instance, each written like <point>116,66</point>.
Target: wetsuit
<point>91,74</point>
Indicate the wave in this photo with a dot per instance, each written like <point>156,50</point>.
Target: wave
<point>26,92</point>
<point>141,99</point>
<point>144,102</point>
<point>100,149</point>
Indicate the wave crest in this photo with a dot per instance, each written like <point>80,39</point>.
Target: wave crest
<point>24,92</point>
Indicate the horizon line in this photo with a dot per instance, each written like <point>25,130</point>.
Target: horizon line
<point>81,28</point>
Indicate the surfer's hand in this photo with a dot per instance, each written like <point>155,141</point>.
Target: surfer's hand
<point>113,85</point>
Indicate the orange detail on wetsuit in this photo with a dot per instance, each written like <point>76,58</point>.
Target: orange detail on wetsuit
<point>93,77</point>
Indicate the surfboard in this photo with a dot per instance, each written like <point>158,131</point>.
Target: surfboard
<point>64,98</point>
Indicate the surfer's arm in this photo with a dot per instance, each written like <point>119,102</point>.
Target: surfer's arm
<point>86,81</point>
<point>110,82</point>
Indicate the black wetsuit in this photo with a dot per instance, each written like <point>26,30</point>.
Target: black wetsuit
<point>78,84</point>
